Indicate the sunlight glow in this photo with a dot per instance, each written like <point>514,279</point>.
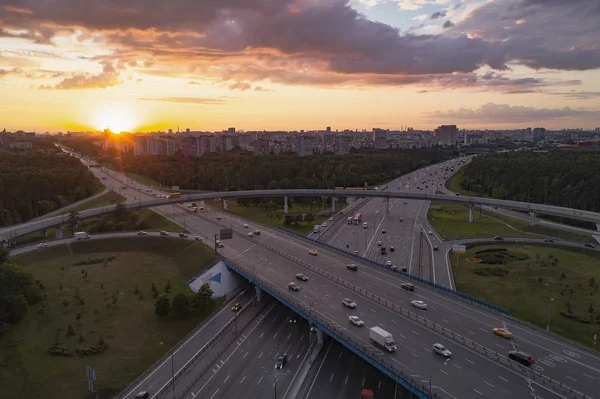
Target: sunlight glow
<point>116,120</point>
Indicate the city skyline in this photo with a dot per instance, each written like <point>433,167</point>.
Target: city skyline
<point>291,65</point>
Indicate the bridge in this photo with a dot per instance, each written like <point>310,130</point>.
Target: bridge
<point>532,209</point>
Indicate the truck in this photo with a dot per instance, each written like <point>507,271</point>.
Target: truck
<point>82,235</point>
<point>357,218</point>
<point>349,220</point>
<point>382,339</point>
<point>316,229</point>
<point>173,195</point>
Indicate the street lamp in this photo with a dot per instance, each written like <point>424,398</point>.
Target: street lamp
<point>275,379</point>
<point>549,313</point>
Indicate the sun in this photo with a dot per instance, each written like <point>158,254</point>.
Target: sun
<point>117,120</point>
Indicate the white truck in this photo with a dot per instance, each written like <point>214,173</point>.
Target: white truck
<point>349,220</point>
<point>81,235</point>
<point>382,338</point>
<point>316,229</point>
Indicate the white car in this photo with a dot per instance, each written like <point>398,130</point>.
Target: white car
<point>324,225</point>
<point>356,321</point>
<point>251,234</point>
<point>331,219</point>
<point>430,232</point>
<point>141,233</point>
<point>349,303</point>
<point>245,226</point>
<point>378,243</point>
<point>441,350</point>
<point>419,304</point>
<point>388,263</point>
<point>42,245</point>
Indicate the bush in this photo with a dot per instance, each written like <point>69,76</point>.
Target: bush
<point>92,350</point>
<point>59,351</point>
<point>90,261</point>
<point>491,250</point>
<point>575,318</point>
<point>491,271</point>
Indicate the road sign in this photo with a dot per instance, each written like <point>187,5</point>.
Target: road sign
<point>226,234</point>
<point>90,373</point>
<point>459,249</point>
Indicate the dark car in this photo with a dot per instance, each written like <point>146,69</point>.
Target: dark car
<point>392,249</point>
<point>293,287</point>
<point>383,251</point>
<point>281,361</point>
<point>182,235</point>
<point>520,357</point>
<point>589,245</point>
<point>498,238</point>
<point>142,395</point>
<point>354,268</point>
<point>301,277</point>
<point>404,269</point>
<point>548,240</point>
<point>256,232</point>
<point>408,286</point>
<point>236,307</point>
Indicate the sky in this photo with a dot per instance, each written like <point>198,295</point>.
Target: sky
<point>146,65</point>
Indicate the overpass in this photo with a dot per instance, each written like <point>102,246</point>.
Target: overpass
<point>532,209</point>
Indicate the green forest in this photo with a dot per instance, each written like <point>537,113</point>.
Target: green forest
<point>240,170</point>
<point>40,180</point>
<point>562,178</point>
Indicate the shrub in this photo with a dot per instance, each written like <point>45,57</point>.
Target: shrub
<point>59,351</point>
<point>92,350</point>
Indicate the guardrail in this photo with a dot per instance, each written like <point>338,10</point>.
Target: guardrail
<point>366,352</point>
<point>446,290</point>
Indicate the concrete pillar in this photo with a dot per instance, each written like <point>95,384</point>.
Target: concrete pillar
<point>319,336</point>
<point>471,213</point>
<point>225,208</point>
<point>44,232</point>
<point>285,206</point>
<point>387,205</point>
<point>333,199</point>
<point>258,292</point>
<point>58,233</point>
<point>532,220</point>
<point>598,226</point>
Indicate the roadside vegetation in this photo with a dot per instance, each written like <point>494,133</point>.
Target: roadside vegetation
<point>99,307</point>
<point>523,279</point>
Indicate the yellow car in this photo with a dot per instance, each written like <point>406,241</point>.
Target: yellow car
<point>503,332</point>
<point>313,252</point>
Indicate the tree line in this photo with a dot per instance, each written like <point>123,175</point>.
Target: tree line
<point>562,178</point>
<point>241,170</point>
<point>39,181</point>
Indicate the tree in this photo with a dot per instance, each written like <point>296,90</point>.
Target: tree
<point>180,304</point>
<point>202,300</point>
<point>592,282</point>
<point>4,255</point>
<point>154,291</point>
<point>114,299</point>
<point>168,286</point>
<point>73,221</point>
<point>136,290</point>
<point>591,308</point>
<point>17,290</point>
<point>70,331</point>
<point>108,306</point>
<point>162,305</point>
<point>562,276</point>
<point>120,212</point>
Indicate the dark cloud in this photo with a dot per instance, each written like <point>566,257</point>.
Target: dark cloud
<point>502,113</point>
<point>579,95</point>
<point>188,100</point>
<point>438,14</point>
<point>447,24</point>
<point>242,86</point>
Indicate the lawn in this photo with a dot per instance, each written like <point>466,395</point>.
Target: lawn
<point>145,180</point>
<point>452,222</point>
<point>109,198</point>
<point>136,337</point>
<point>275,218</point>
<point>525,279</point>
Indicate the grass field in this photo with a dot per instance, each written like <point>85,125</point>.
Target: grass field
<point>143,180</point>
<point>137,338</point>
<point>109,198</point>
<point>527,280</point>
<point>275,218</point>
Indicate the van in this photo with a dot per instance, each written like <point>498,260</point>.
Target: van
<point>521,357</point>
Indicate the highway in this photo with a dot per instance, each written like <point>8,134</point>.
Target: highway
<point>467,374</point>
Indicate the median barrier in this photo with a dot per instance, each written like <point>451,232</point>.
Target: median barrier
<point>438,287</point>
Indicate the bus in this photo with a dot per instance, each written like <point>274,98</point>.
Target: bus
<point>173,195</point>
<point>357,218</point>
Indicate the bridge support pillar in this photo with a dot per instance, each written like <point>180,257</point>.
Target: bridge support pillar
<point>333,199</point>
<point>44,232</point>
<point>285,206</point>
<point>225,207</point>
<point>58,233</point>
<point>319,336</point>
<point>471,213</point>
<point>387,205</point>
<point>258,292</point>
<point>598,226</point>
<point>532,220</point>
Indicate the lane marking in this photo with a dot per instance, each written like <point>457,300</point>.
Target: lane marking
<point>243,379</point>
<point>470,361</point>
<point>502,378</point>
<point>414,332</point>
<point>225,380</point>
<point>571,378</point>
<point>488,384</point>
<point>261,378</point>
<point>443,371</point>
<point>213,395</point>
<point>414,354</point>
<point>477,391</point>
<point>331,378</point>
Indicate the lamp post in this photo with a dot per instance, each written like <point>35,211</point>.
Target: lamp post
<point>549,313</point>
<point>275,379</point>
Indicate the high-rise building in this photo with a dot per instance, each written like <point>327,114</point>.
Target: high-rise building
<point>446,135</point>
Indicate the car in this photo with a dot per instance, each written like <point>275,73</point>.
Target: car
<point>198,238</point>
<point>392,249</point>
<point>141,233</point>
<point>408,286</point>
<point>142,395</point>
<point>442,350</point>
<point>245,226</point>
<point>588,245</point>
<point>293,286</point>
<point>331,219</point>
<point>219,244</point>
<point>256,232</point>
<point>164,233</point>
<point>324,225</point>
<point>219,217</point>
<point>402,220</point>
<point>301,277</point>
<point>352,267</point>
<point>378,243</point>
<point>201,208</point>
<point>349,303</point>
<point>520,357</point>
<point>404,269</point>
<point>383,251</point>
<point>548,240</point>
<point>388,263</point>
<point>503,332</point>
<point>355,252</point>
<point>356,321</point>
<point>365,225</point>
<point>430,232</point>
<point>419,304</point>
<point>498,238</point>
<point>435,248</point>
<point>383,231</point>
<point>42,245</point>
<point>250,234</point>
<point>313,252</point>
<point>281,361</point>
<point>404,202</point>
<point>236,307</point>
<point>183,235</point>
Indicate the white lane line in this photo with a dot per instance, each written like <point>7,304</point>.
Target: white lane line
<point>246,355</point>
<point>427,350</point>
<point>261,377</point>
<point>470,332</point>
<point>414,354</point>
<point>470,361</point>
<point>588,376</point>
<point>275,335</point>
<point>261,353</point>
<point>457,366</point>
<point>401,335</point>
<point>346,381</point>
<point>243,379</point>
<point>393,321</point>
<point>213,395</point>
<point>477,391</point>
<point>456,318</point>
<point>502,378</point>
<point>489,384</point>
<point>443,371</point>
<point>414,332</point>
<point>373,310</point>
<point>481,329</point>
<point>571,378</point>
<point>261,335</point>
<point>500,346</point>
<point>445,321</point>
<point>363,382</point>
<point>225,380</point>
<point>331,378</point>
